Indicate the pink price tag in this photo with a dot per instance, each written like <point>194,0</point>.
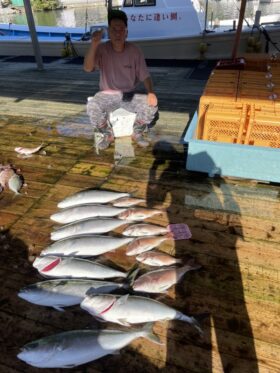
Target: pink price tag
<point>180,231</point>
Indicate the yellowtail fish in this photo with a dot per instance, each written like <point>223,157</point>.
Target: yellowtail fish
<point>84,245</point>
<point>90,196</point>
<point>28,151</point>
<point>60,293</point>
<point>75,213</point>
<point>87,226</point>
<point>72,348</point>
<point>71,267</point>
<point>128,309</point>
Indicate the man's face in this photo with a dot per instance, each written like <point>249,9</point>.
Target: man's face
<point>117,32</point>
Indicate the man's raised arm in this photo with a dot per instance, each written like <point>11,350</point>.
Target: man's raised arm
<point>89,61</point>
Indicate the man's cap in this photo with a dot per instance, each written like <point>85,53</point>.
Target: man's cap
<point>117,14</point>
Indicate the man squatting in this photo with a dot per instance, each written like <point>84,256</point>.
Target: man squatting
<point>122,66</point>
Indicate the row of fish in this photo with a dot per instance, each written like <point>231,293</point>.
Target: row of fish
<point>76,280</point>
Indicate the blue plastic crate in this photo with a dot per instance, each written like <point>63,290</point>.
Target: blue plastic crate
<point>225,159</point>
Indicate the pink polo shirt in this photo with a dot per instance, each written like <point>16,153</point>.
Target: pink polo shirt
<point>120,71</point>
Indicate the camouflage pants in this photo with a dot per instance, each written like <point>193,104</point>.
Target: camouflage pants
<point>99,107</point>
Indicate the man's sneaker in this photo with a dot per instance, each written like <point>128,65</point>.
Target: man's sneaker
<point>105,141</point>
<point>139,139</point>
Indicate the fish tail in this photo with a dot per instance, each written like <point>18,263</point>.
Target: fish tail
<point>133,272</point>
<point>150,335</point>
<point>191,320</point>
<point>196,324</point>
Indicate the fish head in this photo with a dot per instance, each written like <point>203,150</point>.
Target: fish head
<point>37,353</point>
<point>97,305</point>
<point>46,263</point>
<point>32,293</point>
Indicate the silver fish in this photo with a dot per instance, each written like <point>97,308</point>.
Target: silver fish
<point>137,230</point>
<point>65,292</point>
<point>72,348</point>
<point>71,214</point>
<point>127,202</point>
<point>28,151</point>
<point>91,196</point>
<point>138,213</point>
<point>15,183</point>
<point>87,226</point>
<point>160,280</point>
<point>142,244</point>
<point>62,267</point>
<point>157,258</point>
<point>128,309</point>
<point>85,245</point>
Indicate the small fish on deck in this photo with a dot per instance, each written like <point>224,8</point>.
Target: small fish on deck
<point>29,151</point>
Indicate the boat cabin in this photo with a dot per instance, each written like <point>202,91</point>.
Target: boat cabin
<point>162,18</point>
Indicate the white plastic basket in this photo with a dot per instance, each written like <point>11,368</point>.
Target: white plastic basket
<point>122,122</point>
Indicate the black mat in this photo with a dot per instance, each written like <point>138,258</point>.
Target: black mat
<point>170,63</point>
<point>75,60</point>
<point>46,59</point>
<point>203,70</point>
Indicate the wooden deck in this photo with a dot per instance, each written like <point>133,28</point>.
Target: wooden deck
<point>235,226</point>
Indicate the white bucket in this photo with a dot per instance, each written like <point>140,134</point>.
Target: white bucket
<point>122,122</point>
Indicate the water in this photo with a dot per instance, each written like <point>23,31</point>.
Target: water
<point>76,17</point>
<point>71,17</point>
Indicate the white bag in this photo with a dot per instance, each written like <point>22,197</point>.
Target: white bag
<point>122,122</point>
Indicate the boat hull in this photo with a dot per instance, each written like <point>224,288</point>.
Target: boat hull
<point>183,48</point>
